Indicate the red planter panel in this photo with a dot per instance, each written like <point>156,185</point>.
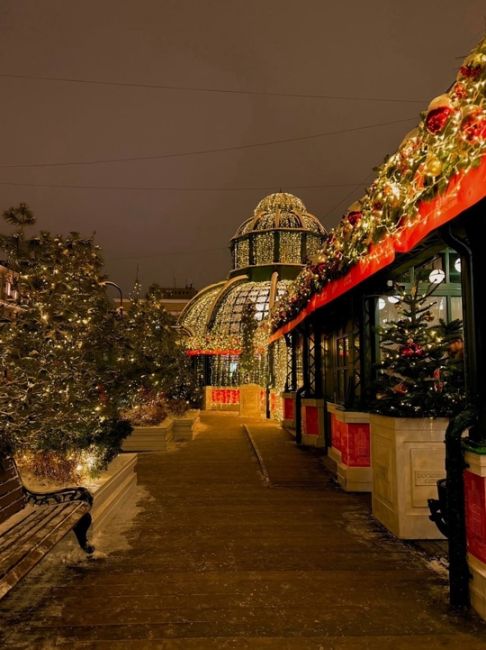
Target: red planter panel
<point>475,496</point>
<point>311,420</point>
<point>289,408</point>
<point>356,445</point>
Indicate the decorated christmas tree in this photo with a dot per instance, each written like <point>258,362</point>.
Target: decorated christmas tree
<point>54,395</point>
<point>420,374</point>
<point>248,360</point>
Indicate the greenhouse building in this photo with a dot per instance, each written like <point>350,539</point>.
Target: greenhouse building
<point>268,251</point>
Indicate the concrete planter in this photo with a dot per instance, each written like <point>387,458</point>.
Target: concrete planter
<point>149,438</point>
<point>288,420</point>
<point>475,501</point>
<point>183,426</point>
<point>334,451</point>
<point>250,401</point>
<point>408,458</point>
<point>312,418</point>
<point>350,434</point>
<point>117,483</point>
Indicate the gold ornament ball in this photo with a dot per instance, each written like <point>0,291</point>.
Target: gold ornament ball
<point>433,166</point>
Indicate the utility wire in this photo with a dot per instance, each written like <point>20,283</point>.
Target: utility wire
<point>174,189</point>
<point>197,152</point>
<point>225,91</point>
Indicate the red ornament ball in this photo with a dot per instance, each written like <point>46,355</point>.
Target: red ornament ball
<point>438,114</point>
<point>473,126</point>
<point>354,217</point>
<point>411,350</point>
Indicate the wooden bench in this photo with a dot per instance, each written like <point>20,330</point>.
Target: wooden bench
<point>31,523</point>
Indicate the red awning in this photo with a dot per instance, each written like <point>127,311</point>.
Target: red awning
<point>464,190</point>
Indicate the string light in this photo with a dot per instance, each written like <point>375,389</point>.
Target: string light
<point>450,138</point>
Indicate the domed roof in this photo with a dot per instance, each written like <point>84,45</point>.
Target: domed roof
<point>280,211</point>
<point>218,310</point>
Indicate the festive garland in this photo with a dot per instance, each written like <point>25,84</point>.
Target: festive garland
<point>450,137</point>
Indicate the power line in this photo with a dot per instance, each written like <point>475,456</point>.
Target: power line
<point>225,91</point>
<point>197,152</point>
<point>174,189</point>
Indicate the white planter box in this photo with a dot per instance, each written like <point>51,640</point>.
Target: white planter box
<point>407,459</point>
<point>149,438</point>
<point>476,529</point>
<point>118,481</point>
<point>250,402</point>
<point>183,427</point>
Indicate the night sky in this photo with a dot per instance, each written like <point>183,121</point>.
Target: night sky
<point>303,69</point>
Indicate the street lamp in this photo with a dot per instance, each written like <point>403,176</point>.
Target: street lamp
<point>109,283</point>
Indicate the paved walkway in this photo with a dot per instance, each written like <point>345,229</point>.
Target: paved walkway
<point>217,559</point>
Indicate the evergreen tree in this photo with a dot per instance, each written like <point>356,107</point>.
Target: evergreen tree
<point>152,362</point>
<point>53,397</point>
<point>419,375</point>
<point>248,360</point>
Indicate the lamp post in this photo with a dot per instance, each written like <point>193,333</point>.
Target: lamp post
<point>109,283</point>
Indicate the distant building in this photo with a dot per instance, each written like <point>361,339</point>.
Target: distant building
<point>174,299</point>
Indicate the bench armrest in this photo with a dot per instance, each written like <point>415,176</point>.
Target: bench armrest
<point>58,496</point>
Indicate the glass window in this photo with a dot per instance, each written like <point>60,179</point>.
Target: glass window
<point>456,308</point>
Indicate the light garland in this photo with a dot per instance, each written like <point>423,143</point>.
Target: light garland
<point>450,138</point>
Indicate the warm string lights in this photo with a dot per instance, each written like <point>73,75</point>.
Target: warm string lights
<point>450,138</point>
<point>52,398</point>
<point>70,362</point>
<point>421,370</point>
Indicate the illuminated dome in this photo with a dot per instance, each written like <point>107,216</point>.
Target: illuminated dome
<point>281,210</point>
<point>281,231</point>
<point>218,308</point>
<point>268,251</point>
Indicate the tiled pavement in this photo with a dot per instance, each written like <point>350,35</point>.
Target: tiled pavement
<point>217,559</point>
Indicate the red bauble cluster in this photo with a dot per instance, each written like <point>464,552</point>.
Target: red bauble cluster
<point>412,350</point>
<point>473,126</point>
<point>437,119</point>
<point>354,217</point>
<point>439,113</point>
<point>470,71</point>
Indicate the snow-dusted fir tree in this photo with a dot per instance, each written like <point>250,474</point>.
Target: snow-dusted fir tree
<point>420,374</point>
<point>53,394</point>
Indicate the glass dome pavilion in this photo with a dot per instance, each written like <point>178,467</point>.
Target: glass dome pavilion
<point>268,250</point>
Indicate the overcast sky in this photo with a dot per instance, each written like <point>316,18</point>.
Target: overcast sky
<point>279,53</point>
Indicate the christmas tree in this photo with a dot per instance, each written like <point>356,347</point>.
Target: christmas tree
<point>54,399</point>
<point>421,372</point>
<point>153,367</point>
<point>248,360</point>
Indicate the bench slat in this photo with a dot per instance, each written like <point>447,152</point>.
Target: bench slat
<point>21,526</point>
<point>8,485</point>
<point>44,523</point>
<point>34,554</point>
<point>17,494</point>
